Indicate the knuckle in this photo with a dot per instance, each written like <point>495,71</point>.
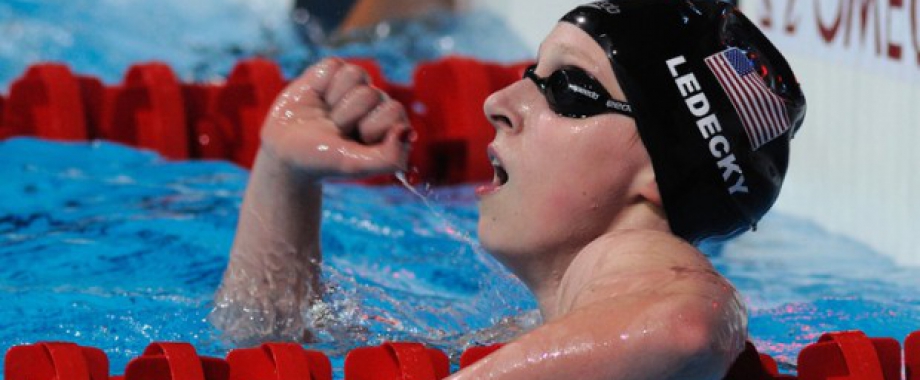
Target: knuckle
<point>396,107</point>
<point>392,110</point>
<point>324,67</point>
<point>361,94</point>
<point>354,72</point>
<point>330,62</point>
<point>368,92</point>
<point>385,113</point>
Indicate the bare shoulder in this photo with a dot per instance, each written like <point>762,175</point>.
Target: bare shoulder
<point>650,275</point>
<point>628,261</point>
<point>632,305</point>
<point>648,278</point>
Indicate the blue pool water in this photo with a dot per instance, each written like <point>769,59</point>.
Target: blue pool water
<point>202,40</point>
<point>113,247</point>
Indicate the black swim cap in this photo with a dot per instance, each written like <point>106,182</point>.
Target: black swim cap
<point>716,106</point>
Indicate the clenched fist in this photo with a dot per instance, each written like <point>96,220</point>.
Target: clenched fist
<point>330,122</point>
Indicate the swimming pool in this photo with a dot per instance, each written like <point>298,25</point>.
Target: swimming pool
<point>112,247</point>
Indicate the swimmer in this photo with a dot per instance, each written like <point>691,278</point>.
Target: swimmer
<point>645,126</point>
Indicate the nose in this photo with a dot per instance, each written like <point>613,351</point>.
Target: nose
<point>506,108</point>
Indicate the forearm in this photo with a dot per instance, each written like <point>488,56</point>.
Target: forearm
<point>309,134</point>
<point>275,261</point>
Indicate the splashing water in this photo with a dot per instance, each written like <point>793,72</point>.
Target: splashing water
<point>439,214</point>
<point>456,232</point>
<point>136,244</point>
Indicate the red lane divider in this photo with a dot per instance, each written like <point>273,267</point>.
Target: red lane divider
<point>396,361</point>
<point>850,355</point>
<point>278,361</point>
<point>175,361</point>
<point>5,131</point>
<point>212,137</point>
<point>147,111</point>
<point>473,354</point>
<point>46,102</point>
<point>451,93</point>
<point>152,109</point>
<point>55,361</point>
<point>912,356</point>
<point>94,95</point>
<point>751,365</point>
<point>245,100</point>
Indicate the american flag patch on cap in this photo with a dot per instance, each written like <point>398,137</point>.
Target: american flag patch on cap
<point>762,113</point>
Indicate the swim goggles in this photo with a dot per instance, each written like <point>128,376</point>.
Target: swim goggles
<point>572,92</point>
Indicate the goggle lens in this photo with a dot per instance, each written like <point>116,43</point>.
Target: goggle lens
<point>572,92</point>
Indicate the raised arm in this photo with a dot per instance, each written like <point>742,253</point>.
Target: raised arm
<point>327,123</point>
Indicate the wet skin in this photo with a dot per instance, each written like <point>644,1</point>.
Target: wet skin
<point>579,220</point>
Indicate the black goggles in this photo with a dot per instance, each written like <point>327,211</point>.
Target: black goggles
<point>572,92</point>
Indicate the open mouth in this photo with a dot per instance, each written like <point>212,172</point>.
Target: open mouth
<point>501,176</point>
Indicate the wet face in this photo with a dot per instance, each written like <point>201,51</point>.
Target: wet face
<point>560,181</point>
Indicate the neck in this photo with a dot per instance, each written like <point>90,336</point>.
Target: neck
<point>542,274</point>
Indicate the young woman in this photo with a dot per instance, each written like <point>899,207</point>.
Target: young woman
<point>645,126</point>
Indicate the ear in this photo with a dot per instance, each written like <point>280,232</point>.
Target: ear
<point>647,186</point>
